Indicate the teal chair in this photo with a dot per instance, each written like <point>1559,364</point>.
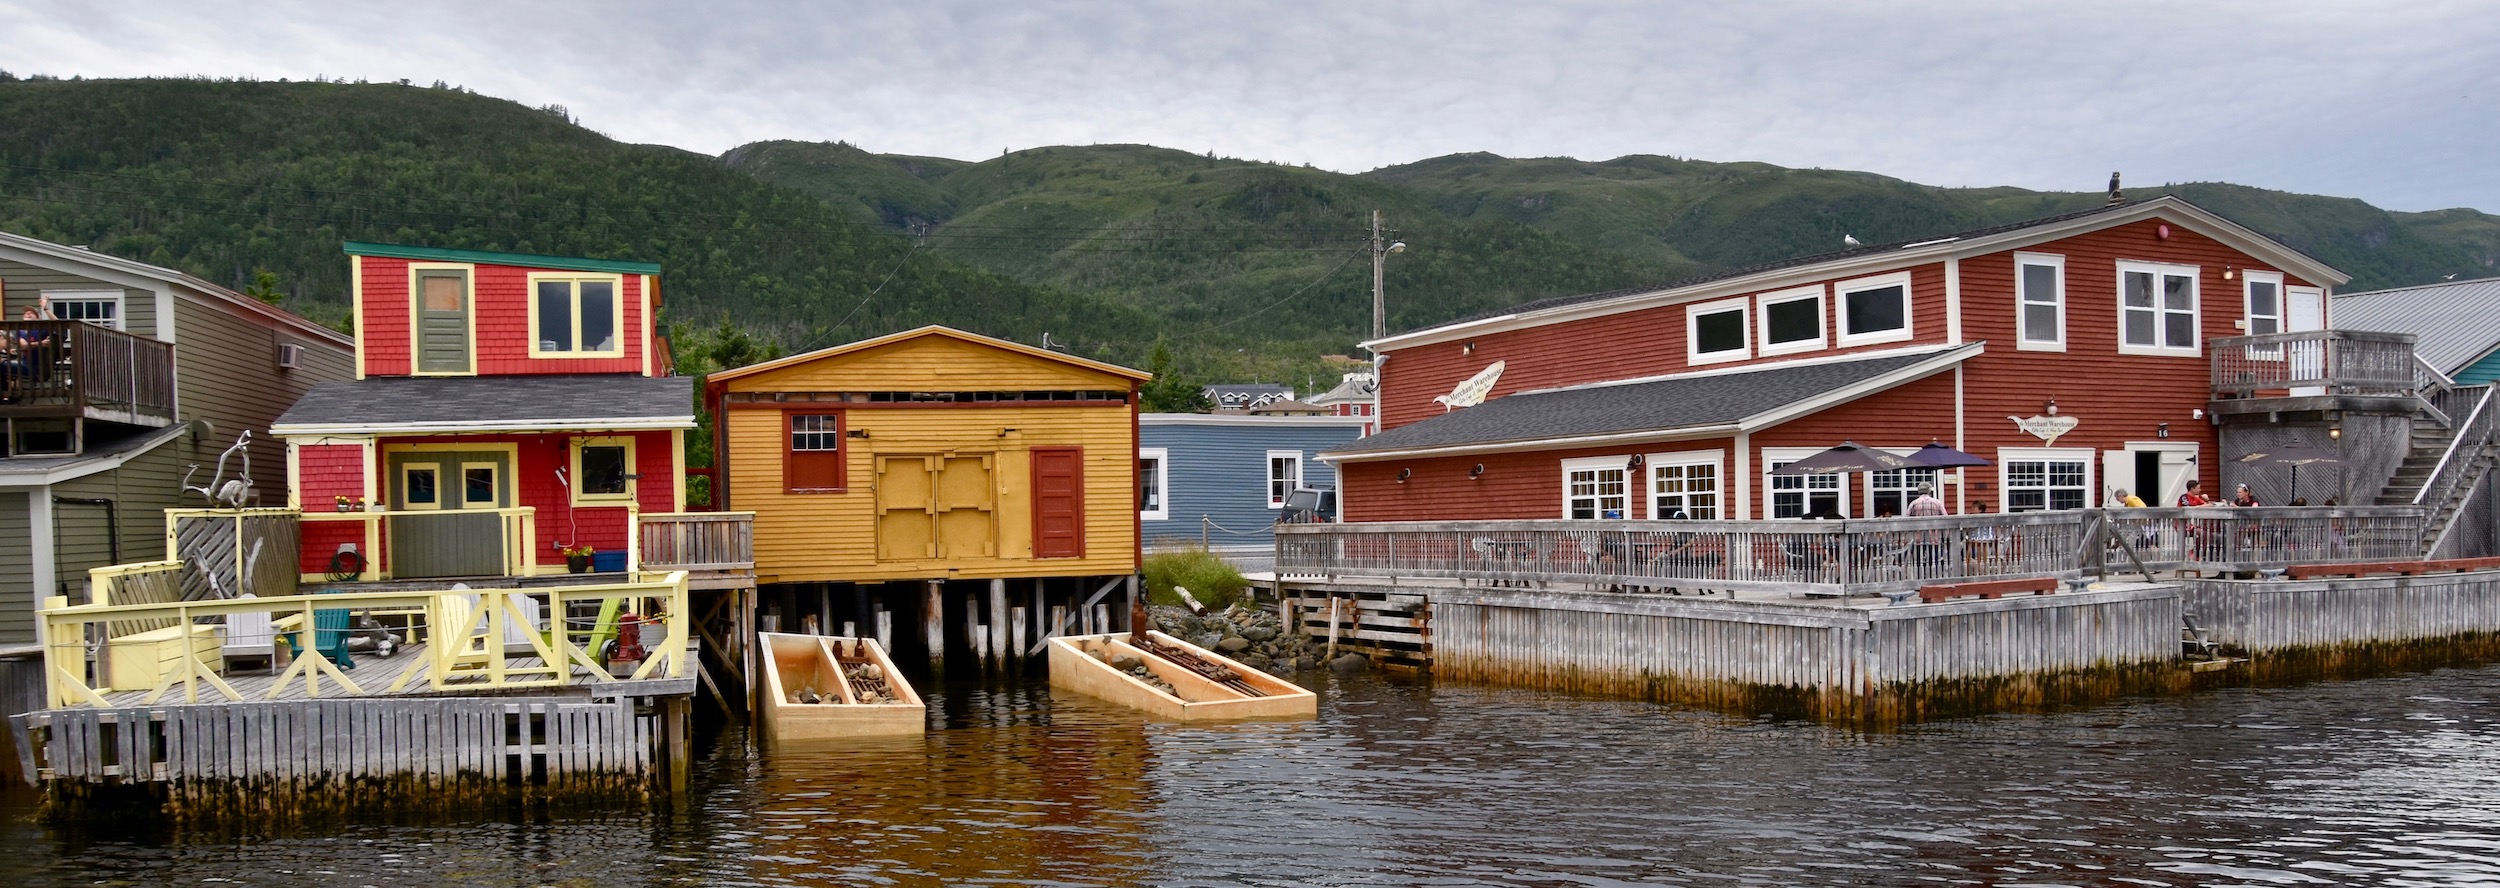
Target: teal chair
<point>330,633</point>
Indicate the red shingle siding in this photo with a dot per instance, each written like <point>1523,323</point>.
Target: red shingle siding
<point>325,472</point>
<point>602,526</point>
<point>502,318</point>
<point>1647,342</point>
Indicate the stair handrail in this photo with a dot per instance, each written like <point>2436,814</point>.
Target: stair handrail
<point>2449,471</point>
<point>2427,379</point>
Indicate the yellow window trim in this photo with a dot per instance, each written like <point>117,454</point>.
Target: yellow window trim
<point>632,486</point>
<point>493,502</point>
<point>616,286</point>
<point>468,279</point>
<point>407,469</point>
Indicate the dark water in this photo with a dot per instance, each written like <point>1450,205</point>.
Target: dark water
<point>2392,781</point>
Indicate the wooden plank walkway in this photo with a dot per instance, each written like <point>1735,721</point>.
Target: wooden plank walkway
<point>376,674</point>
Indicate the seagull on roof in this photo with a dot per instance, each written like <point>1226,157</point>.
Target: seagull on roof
<point>2451,276</point>
<point>1850,240</point>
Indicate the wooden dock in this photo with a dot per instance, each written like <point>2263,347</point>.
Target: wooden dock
<point>2301,629</point>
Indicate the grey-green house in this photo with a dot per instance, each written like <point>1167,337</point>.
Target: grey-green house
<point>140,373</point>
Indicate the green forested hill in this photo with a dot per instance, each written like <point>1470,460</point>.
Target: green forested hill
<point>1247,269</point>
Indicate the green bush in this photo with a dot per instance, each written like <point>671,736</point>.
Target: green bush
<point>1207,577</point>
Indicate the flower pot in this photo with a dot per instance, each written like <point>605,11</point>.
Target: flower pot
<point>577,563</point>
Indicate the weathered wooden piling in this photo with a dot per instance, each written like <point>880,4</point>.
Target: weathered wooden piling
<point>998,621</point>
<point>933,624</point>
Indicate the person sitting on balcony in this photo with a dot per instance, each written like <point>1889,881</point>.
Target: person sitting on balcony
<point>2245,498</point>
<point>25,356</point>
<point>2195,495</point>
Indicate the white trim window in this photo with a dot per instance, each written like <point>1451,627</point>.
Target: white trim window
<point>2038,479</point>
<point>1792,320</point>
<point>1686,482</point>
<point>1596,487</point>
<point>1717,332</point>
<point>1284,474</point>
<point>1154,495</point>
<point>576,315</point>
<point>2262,294</point>
<point>102,308</point>
<point>1890,493</point>
<point>1874,309</point>
<point>2157,313</point>
<point>1796,496</point>
<point>2039,302</point>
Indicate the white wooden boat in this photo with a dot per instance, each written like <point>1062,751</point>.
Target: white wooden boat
<point>819,686</point>
<point>1083,663</point>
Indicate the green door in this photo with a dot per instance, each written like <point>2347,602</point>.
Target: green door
<point>444,522</point>
<point>442,321</point>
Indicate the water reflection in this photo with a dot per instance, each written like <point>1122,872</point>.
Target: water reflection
<point>2387,781</point>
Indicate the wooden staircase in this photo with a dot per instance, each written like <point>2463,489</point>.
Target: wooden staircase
<point>2427,444</point>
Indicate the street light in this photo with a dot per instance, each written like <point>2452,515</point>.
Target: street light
<point>1381,249</point>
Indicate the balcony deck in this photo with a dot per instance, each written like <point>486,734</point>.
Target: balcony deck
<point>78,370</point>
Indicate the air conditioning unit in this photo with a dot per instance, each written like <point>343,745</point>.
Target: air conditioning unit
<point>289,354</point>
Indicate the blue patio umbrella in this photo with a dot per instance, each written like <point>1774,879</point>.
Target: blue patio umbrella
<point>1850,456</point>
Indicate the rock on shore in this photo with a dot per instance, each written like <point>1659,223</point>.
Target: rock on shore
<point>1256,637</point>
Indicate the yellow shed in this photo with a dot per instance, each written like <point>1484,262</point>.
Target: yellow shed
<point>931,454</point>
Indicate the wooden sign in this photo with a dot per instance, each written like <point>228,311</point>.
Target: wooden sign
<point>2046,428</point>
<point>1472,392</point>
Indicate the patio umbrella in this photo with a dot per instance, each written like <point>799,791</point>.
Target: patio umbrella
<point>2294,455</point>
<point>1848,457</point>
<point>1937,455</point>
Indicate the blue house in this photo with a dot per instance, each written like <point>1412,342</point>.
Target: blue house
<point>1221,479</point>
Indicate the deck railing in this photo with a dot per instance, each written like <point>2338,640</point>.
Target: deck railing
<point>1843,557</point>
<point>2348,362</point>
<point>74,368</point>
<point>516,532</point>
<point>698,541</point>
<point>467,634</point>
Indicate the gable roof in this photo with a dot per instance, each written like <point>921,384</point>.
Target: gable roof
<point>2454,324</point>
<point>931,330</point>
<point>459,404</point>
<point>1868,260</point>
<point>489,257</point>
<point>1704,404</point>
<point>185,282</point>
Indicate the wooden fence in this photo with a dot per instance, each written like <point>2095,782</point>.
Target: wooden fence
<point>384,755</point>
<point>1878,664</point>
<point>231,552</point>
<point>2274,616</point>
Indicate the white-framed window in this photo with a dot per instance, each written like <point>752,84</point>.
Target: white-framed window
<point>102,308</point>
<point>1716,332</point>
<point>2157,312</point>
<point>603,470</point>
<point>1284,473</point>
<point>1153,480</point>
<point>1890,493</point>
<point>1874,309</point>
<point>2038,479</point>
<point>1792,320</point>
<point>1596,487</point>
<point>1687,482</point>
<point>2263,291</point>
<point>1796,496</point>
<point>2040,302</point>
<point>577,316</point>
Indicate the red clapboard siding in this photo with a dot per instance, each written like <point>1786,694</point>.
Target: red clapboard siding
<point>1907,416</point>
<point>502,317</point>
<point>1619,346</point>
<point>1513,486</point>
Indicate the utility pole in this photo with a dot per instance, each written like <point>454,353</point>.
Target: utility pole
<point>1381,248</point>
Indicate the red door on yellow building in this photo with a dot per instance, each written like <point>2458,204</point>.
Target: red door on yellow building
<point>1058,502</point>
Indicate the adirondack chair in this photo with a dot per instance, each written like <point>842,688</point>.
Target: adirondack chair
<point>248,636</point>
<point>331,628</point>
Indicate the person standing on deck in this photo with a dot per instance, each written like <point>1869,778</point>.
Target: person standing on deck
<point>2126,499</point>
<point>1926,505</point>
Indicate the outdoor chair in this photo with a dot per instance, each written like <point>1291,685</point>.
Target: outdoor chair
<point>331,628</point>
<point>248,636</point>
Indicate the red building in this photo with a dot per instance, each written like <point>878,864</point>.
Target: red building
<point>2071,351</point>
<point>507,408</point>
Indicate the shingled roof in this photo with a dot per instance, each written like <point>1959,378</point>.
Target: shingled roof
<point>1662,406</point>
<point>491,403</point>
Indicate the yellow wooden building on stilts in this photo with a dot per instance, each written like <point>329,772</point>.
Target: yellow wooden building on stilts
<point>982,491</point>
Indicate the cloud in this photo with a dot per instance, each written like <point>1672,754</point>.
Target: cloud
<point>2383,103</point>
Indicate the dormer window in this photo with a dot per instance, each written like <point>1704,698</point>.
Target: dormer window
<point>575,316</point>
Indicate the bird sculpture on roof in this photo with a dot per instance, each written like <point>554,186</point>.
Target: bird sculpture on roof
<point>2116,197</point>
<point>1850,240</point>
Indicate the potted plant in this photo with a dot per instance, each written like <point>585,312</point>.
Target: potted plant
<point>577,558</point>
<point>343,501</point>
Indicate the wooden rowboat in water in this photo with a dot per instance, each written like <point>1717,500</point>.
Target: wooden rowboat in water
<point>820,686</point>
<point>1195,684</point>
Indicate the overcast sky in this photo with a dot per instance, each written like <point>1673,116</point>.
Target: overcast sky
<point>2394,103</point>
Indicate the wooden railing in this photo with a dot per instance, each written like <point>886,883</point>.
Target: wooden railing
<point>518,532</point>
<point>466,632</point>
<point>697,541</point>
<point>1843,557</point>
<point>2341,361</point>
<point>74,368</point>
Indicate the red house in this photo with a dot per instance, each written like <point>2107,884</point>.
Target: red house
<point>2072,351</point>
<point>507,408</point>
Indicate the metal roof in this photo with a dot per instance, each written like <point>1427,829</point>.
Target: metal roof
<point>2453,324</point>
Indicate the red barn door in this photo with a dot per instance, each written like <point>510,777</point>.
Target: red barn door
<point>1058,502</point>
